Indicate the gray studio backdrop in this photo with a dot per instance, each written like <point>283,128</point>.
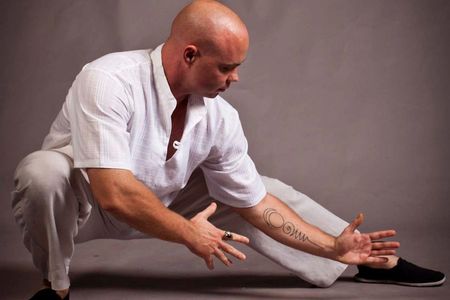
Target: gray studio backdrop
<point>348,101</point>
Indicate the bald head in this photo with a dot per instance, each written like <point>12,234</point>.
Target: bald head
<point>208,24</point>
<point>207,43</point>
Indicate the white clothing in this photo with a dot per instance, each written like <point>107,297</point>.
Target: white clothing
<point>55,209</point>
<point>117,114</point>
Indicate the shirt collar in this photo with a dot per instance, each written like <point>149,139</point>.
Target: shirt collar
<point>167,102</point>
<point>165,96</point>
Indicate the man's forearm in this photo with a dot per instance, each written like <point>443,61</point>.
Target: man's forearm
<point>120,193</point>
<point>280,222</point>
<point>136,205</point>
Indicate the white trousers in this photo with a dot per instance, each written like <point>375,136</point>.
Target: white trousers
<point>54,208</point>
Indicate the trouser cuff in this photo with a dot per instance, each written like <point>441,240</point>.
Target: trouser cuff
<point>59,279</point>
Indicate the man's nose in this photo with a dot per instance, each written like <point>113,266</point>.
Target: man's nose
<point>234,77</point>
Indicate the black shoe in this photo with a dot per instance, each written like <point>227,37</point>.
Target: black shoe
<point>48,294</point>
<point>404,273</point>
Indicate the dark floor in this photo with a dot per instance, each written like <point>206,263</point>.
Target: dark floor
<point>153,269</point>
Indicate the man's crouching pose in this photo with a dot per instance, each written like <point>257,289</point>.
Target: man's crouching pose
<point>143,146</point>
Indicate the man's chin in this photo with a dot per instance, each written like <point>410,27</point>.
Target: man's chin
<point>212,95</point>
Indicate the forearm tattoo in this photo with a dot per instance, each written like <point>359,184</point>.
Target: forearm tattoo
<point>274,219</point>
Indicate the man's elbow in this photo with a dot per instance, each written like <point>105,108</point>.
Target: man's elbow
<point>110,204</point>
<point>252,211</point>
<point>107,186</point>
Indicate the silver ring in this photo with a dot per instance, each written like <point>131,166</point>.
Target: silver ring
<point>227,236</point>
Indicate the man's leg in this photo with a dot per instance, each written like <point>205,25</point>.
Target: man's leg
<point>396,270</point>
<point>48,213</point>
<point>316,270</point>
<point>54,208</point>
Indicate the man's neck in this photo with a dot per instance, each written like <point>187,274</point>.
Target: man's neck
<point>172,74</point>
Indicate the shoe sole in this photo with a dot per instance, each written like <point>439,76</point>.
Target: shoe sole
<point>416,284</point>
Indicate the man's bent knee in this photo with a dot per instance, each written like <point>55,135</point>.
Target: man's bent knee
<point>43,173</point>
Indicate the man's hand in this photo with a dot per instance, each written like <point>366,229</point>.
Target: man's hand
<point>357,248</point>
<point>208,240</point>
<point>129,200</point>
<point>277,220</point>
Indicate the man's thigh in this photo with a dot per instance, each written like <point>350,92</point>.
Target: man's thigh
<point>194,198</point>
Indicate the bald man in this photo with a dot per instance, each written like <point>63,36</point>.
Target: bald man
<point>144,146</point>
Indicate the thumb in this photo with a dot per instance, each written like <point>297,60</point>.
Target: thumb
<point>210,210</point>
<point>356,222</point>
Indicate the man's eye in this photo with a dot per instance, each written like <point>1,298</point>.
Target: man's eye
<point>225,69</point>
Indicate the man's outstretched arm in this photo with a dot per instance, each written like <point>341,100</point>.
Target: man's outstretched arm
<point>276,219</point>
<point>129,200</point>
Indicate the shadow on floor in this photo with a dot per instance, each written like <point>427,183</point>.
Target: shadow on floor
<point>248,285</point>
<point>186,281</point>
<point>235,285</point>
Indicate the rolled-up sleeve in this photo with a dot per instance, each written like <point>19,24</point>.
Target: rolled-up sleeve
<point>230,173</point>
<point>99,114</point>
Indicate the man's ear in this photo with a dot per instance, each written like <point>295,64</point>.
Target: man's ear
<point>190,54</point>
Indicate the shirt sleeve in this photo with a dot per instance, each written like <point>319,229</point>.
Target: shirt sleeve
<point>230,173</point>
<point>99,114</point>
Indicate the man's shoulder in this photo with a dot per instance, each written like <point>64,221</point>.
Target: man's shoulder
<point>220,109</point>
<point>119,61</point>
<point>219,104</point>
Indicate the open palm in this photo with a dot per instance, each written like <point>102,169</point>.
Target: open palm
<point>357,248</point>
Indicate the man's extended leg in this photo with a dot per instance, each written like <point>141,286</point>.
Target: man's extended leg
<point>316,270</point>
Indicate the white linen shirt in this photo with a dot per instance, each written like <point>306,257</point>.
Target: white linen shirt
<point>117,114</point>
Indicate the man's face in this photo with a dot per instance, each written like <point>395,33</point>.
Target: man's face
<point>213,72</point>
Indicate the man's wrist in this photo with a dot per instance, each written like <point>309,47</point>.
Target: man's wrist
<point>335,253</point>
<point>331,249</point>
<point>188,234</point>
<point>326,246</point>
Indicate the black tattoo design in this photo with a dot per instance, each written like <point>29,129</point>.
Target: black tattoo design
<point>275,220</point>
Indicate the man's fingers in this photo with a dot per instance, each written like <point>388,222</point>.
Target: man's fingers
<point>356,222</point>
<point>382,252</point>
<point>209,211</point>
<point>385,245</point>
<point>233,251</point>
<point>377,260</point>
<point>238,238</point>
<point>220,255</point>
<point>381,234</point>
<point>209,262</point>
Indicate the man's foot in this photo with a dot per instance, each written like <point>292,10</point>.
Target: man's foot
<point>49,294</point>
<point>404,273</point>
